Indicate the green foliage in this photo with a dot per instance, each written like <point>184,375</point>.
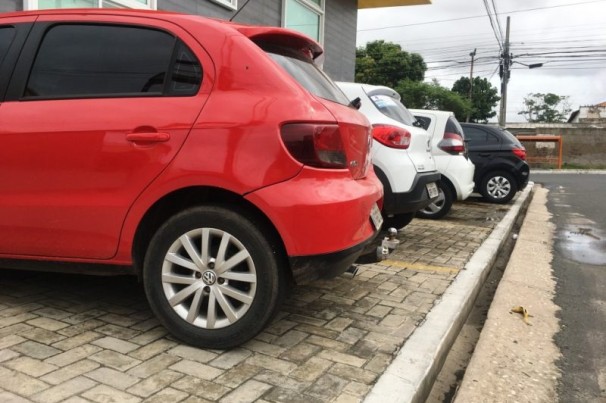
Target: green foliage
<point>385,63</point>
<point>420,95</point>
<point>484,98</point>
<point>545,108</point>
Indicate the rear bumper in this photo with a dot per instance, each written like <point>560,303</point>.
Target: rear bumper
<point>321,214</point>
<point>309,268</point>
<point>414,200</point>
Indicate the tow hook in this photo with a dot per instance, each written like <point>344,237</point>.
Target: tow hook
<point>389,244</point>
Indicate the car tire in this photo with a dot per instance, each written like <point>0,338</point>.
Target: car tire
<point>212,278</point>
<point>397,221</point>
<point>441,206</point>
<point>498,187</point>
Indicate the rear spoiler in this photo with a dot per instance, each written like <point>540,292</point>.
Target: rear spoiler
<point>282,37</point>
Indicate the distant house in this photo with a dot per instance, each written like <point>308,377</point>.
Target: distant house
<point>331,22</point>
<point>589,114</point>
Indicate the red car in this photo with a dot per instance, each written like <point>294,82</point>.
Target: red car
<point>214,160</point>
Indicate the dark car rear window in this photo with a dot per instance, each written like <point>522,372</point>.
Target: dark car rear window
<point>509,136</point>
<point>307,74</point>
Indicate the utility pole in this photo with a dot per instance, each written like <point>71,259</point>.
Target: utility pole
<point>504,73</point>
<point>472,54</point>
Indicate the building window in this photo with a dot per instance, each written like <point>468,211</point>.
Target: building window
<point>231,4</point>
<point>306,16</point>
<point>46,4</point>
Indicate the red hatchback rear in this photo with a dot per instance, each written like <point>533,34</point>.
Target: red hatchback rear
<point>213,159</point>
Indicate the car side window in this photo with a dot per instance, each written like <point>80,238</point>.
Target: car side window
<point>492,139</point>
<point>6,38</point>
<point>83,61</point>
<point>474,136</point>
<point>425,122</point>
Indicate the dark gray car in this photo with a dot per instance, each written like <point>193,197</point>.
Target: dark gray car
<point>500,160</point>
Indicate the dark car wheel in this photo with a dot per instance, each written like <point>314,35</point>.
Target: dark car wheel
<point>441,206</point>
<point>212,277</point>
<point>498,187</point>
<point>397,221</point>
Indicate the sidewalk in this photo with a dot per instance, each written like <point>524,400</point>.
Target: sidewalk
<point>78,338</point>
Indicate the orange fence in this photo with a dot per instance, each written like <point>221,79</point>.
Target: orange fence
<point>544,138</point>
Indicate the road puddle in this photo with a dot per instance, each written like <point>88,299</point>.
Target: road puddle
<point>583,244</point>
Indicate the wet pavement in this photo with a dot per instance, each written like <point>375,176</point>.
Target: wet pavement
<point>78,338</point>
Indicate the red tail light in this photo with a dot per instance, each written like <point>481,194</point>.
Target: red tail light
<point>520,153</point>
<point>316,145</point>
<point>391,136</point>
<point>452,143</point>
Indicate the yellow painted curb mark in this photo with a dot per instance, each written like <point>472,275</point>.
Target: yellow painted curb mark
<point>419,266</point>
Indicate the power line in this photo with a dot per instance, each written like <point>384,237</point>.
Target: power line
<point>478,16</point>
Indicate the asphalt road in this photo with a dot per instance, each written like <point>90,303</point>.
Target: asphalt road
<point>579,264</point>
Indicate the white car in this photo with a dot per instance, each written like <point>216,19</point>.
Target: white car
<point>451,158</point>
<point>401,153</point>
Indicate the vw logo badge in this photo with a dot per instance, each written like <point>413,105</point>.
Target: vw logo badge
<point>209,278</point>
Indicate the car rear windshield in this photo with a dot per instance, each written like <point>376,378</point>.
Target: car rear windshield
<point>509,136</point>
<point>392,108</point>
<point>307,74</point>
<point>453,126</point>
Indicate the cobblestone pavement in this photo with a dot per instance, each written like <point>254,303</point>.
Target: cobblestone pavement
<point>93,339</point>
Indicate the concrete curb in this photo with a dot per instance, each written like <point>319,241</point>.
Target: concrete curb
<point>410,376</point>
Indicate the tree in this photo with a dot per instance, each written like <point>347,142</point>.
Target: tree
<point>545,108</point>
<point>385,63</point>
<point>484,97</point>
<point>421,95</point>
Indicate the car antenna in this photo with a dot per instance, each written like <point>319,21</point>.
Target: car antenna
<point>238,12</point>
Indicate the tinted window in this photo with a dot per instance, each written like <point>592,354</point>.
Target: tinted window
<point>475,136</point>
<point>89,60</point>
<point>423,121</point>
<point>307,74</point>
<point>186,72</point>
<point>392,108</point>
<point>492,139</point>
<point>509,136</point>
<point>6,38</point>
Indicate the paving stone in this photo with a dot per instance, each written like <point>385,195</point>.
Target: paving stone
<point>313,369</point>
<point>6,354</point>
<point>353,373</point>
<point>116,379</point>
<point>248,392</point>
<point>238,375</point>
<point>19,383</point>
<point>9,341</point>
<point>76,341</point>
<point>36,350</point>
<point>12,398</point>
<point>264,348</point>
<point>63,391</point>
<point>154,348</point>
<point>290,396</point>
<point>30,366</point>
<point>115,360</point>
<point>104,394</point>
<point>275,364</point>
<point>42,336</point>
<point>111,343</point>
<point>70,371</point>
<point>342,358</point>
<point>155,383</point>
<point>201,388</point>
<point>73,355</point>
<point>119,332</point>
<point>192,353</point>
<point>327,387</point>
<point>230,358</point>
<point>196,369</point>
<point>327,343</point>
<point>291,338</point>
<point>357,389</point>
<point>153,365</point>
<point>47,323</point>
<point>167,395</point>
<point>149,336</point>
<point>283,381</point>
<point>16,329</point>
<point>300,353</point>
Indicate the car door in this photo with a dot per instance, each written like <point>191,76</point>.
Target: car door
<point>482,147</point>
<point>94,112</point>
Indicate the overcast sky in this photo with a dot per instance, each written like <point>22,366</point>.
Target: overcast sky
<point>539,29</point>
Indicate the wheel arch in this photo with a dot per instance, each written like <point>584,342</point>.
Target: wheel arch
<point>181,199</point>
